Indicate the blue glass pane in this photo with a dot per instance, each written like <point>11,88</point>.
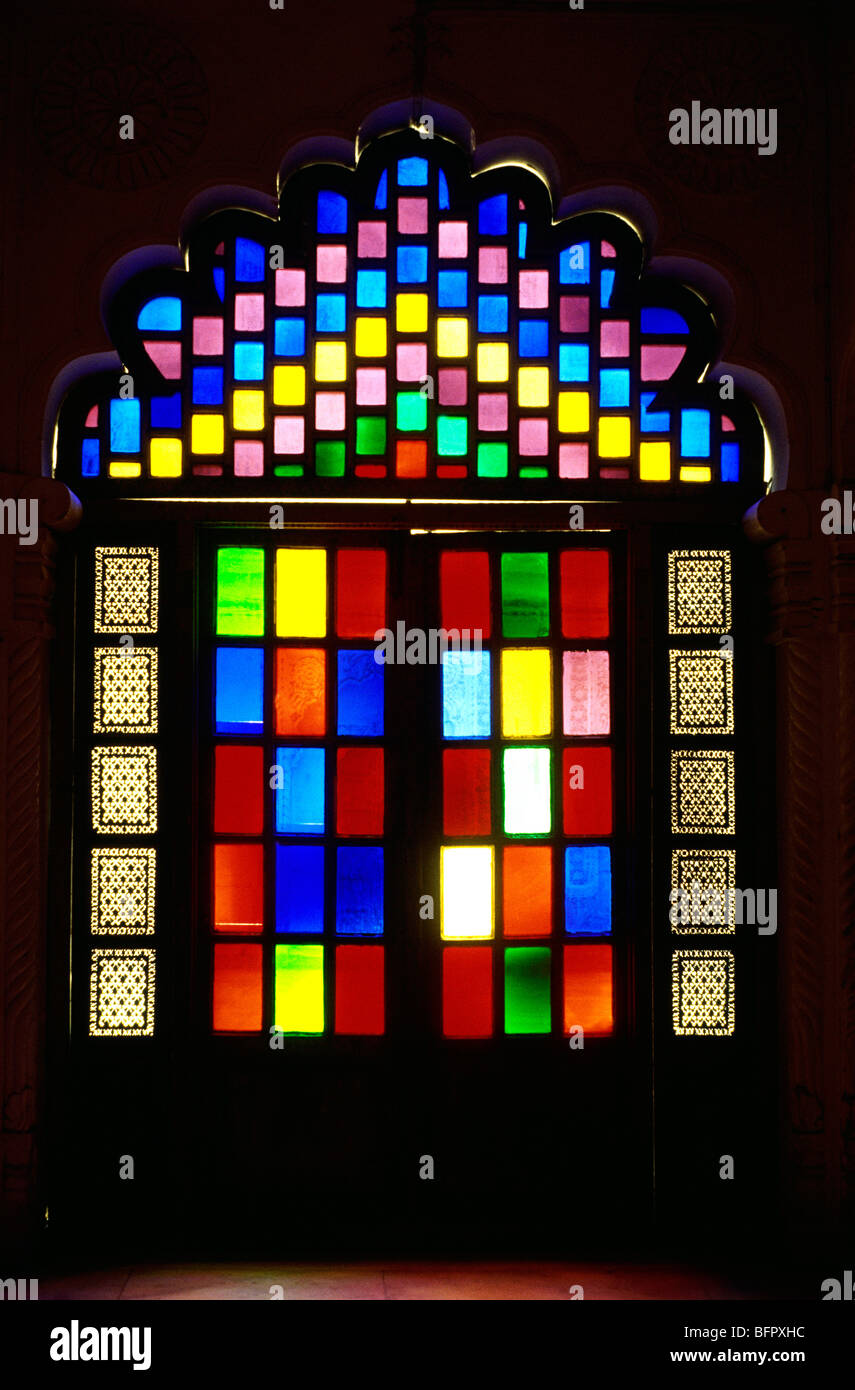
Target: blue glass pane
<point>573,362</point>
<point>466,694</point>
<point>125,426</point>
<point>249,361</point>
<point>614,386</point>
<point>371,289</point>
<point>166,412</point>
<point>659,420</point>
<point>607,284</point>
<point>453,289</point>
<point>162,314</point>
<point>239,690</point>
<point>332,212</point>
<point>413,172</point>
<point>522,236</point>
<point>493,313</point>
<point>330,311</point>
<point>663,321</point>
<point>730,463</point>
<point>207,385</point>
<point>220,282</point>
<point>380,196</point>
<point>300,798</point>
<point>695,434</point>
<point>493,215</point>
<point>574,264</point>
<point>412,265</point>
<point>587,890</point>
<point>359,890</point>
<point>289,337</point>
<point>249,260</point>
<point>444,201</point>
<point>534,338</point>
<point>360,694</point>
<point>299,888</point>
<point>90,458</point>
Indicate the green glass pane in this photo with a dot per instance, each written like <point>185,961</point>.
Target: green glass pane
<point>240,591</point>
<point>411,410</point>
<point>534,472</point>
<point>526,791</point>
<point>370,434</point>
<point>525,595</point>
<point>329,458</point>
<point>299,990</point>
<point>289,470</point>
<point>527,989</point>
<point>451,434</point>
<point>492,460</point>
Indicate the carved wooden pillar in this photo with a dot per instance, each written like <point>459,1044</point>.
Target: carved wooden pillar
<point>26,589</point>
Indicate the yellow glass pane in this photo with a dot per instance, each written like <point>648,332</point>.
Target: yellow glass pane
<point>165,458</point>
<point>654,462</point>
<point>695,473</point>
<point>534,386</point>
<point>370,337</point>
<point>289,385</point>
<point>411,313</point>
<point>452,337</point>
<point>574,413</point>
<point>330,361</point>
<point>206,434</point>
<point>301,593</point>
<point>124,468</point>
<point>614,437</point>
<point>466,879</point>
<point>493,362</point>
<point>526,692</point>
<point>248,410</point>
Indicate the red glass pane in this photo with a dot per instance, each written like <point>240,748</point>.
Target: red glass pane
<point>467,992</point>
<point>587,791</point>
<point>238,790</point>
<point>585,593</point>
<point>237,989</point>
<point>527,890</point>
<point>464,581</point>
<point>588,989</point>
<point>466,791</point>
<point>300,691</point>
<point>238,888</point>
<point>360,595</point>
<point>359,791</point>
<point>359,1005</point>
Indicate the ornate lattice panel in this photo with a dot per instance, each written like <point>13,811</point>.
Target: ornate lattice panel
<point>121,992</point>
<point>701,692</point>
<point>699,592</point>
<point>124,790</point>
<point>703,884</point>
<point>702,992</point>
<point>126,589</point>
<point>125,690</point>
<point>123,887</point>
<point>702,792</point>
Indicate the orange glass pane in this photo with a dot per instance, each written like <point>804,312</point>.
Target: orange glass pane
<point>527,890</point>
<point>238,888</point>
<point>301,691</point>
<point>588,989</point>
<point>237,989</point>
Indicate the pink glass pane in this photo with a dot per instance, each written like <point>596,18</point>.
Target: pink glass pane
<point>291,288</point>
<point>493,265</point>
<point>534,436</point>
<point>249,458</point>
<point>586,693</point>
<point>607,251</point>
<point>573,314</point>
<point>371,242</point>
<point>614,338</point>
<point>453,240</point>
<point>493,410</point>
<point>658,363</point>
<point>453,386</point>
<point>572,460</point>
<point>92,419</point>
<point>249,311</point>
<point>166,357</point>
<point>371,386</point>
<point>332,264</point>
<point>534,289</point>
<point>412,361</point>
<point>289,434</point>
<point>330,410</point>
<point>208,337</point>
<point>726,422</point>
<point>614,472</point>
<point>412,214</point>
